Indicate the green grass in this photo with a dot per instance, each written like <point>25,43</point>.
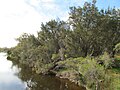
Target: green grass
<point>116,70</point>
<point>115,77</point>
<point>115,74</point>
<point>117,57</point>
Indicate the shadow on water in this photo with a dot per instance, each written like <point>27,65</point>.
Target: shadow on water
<point>51,83</point>
<point>45,82</point>
<point>25,79</point>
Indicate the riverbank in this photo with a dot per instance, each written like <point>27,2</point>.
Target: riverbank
<point>26,79</point>
<point>81,49</point>
<point>87,72</point>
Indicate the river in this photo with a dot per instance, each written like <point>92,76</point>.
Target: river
<point>14,78</point>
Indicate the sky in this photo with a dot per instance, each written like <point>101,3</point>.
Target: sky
<point>25,16</point>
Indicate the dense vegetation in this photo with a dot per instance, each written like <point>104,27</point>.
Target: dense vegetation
<point>5,49</point>
<point>82,49</point>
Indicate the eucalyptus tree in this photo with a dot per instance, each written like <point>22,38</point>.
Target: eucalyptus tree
<point>95,31</point>
<point>52,36</point>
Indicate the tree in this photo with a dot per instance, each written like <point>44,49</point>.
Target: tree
<point>53,36</point>
<point>95,30</point>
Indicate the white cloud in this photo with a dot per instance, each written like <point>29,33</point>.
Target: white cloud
<point>18,16</point>
<point>48,7</point>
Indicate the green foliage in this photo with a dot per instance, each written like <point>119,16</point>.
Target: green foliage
<point>87,72</point>
<point>117,48</point>
<point>55,56</point>
<point>108,62</point>
<point>94,30</point>
<point>114,74</point>
<point>42,68</point>
<point>5,49</point>
<point>65,46</point>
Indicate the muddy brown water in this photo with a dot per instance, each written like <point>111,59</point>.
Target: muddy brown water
<point>14,78</point>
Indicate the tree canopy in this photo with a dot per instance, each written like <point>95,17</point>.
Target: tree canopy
<point>88,32</point>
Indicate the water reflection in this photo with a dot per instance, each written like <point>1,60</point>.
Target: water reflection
<point>25,79</point>
<point>5,66</point>
<point>42,82</point>
<point>8,80</point>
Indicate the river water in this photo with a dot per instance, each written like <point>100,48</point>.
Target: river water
<point>14,78</point>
